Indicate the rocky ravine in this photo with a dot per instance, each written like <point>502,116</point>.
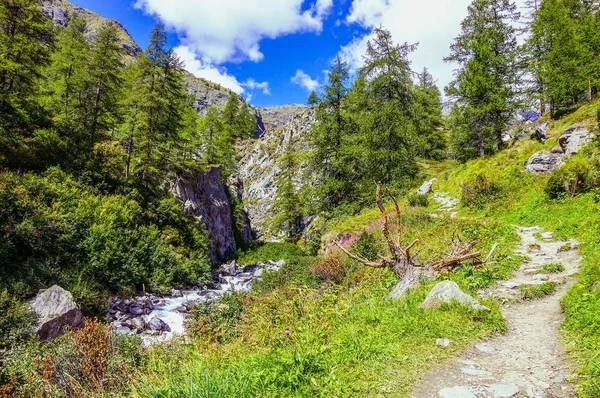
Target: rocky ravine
<point>529,361</point>
<point>258,164</point>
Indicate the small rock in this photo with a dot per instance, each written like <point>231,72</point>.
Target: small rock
<point>442,342</point>
<point>182,309</point>
<point>544,162</point>
<point>258,273</point>
<point>176,293</point>
<point>137,324</point>
<point>547,236</point>
<point>157,324</point>
<point>486,348</point>
<point>511,285</point>
<point>504,390</point>
<point>426,187</point>
<point>124,330</point>
<point>476,372</point>
<point>540,132</point>
<point>448,291</point>
<point>136,310</point>
<point>456,392</point>
<point>541,277</point>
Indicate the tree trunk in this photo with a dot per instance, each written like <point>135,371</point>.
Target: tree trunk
<point>408,281</point>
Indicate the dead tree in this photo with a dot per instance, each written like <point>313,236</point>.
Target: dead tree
<point>402,262</point>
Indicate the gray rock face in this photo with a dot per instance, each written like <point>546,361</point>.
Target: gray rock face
<point>426,187</point>
<point>258,166</point>
<point>574,139</point>
<point>204,196</point>
<point>448,291</point>
<point>56,309</point>
<point>544,162</point>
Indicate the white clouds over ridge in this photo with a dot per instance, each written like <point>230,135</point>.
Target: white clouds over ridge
<point>305,81</point>
<point>230,30</point>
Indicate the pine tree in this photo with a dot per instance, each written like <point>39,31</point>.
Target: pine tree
<point>105,82</point>
<point>158,104</point>
<point>330,139</point>
<point>485,82</point>
<point>67,79</point>
<point>217,140</point>
<point>26,40</point>
<point>313,99</point>
<point>389,139</point>
<point>429,120</point>
<point>287,208</point>
<point>232,111</point>
<point>247,121</point>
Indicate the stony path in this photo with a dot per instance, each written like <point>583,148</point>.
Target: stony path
<point>529,361</point>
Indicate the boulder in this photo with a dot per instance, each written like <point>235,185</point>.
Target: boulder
<point>448,291</point>
<point>543,162</point>
<point>138,325</point>
<point>442,342</point>
<point>540,132</point>
<point>136,309</point>
<point>574,139</point>
<point>56,309</point>
<point>426,188</point>
<point>228,269</point>
<point>158,325</point>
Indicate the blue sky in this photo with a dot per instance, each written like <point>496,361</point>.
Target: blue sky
<point>274,52</point>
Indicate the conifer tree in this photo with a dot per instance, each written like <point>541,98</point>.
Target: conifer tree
<point>159,103</point>
<point>247,121</point>
<point>330,138</point>
<point>429,120</point>
<point>558,61</point>
<point>105,82</point>
<point>287,207</point>
<point>487,76</point>
<point>26,40</point>
<point>217,140</point>
<point>313,98</point>
<point>231,111</point>
<point>388,131</point>
<point>67,78</point>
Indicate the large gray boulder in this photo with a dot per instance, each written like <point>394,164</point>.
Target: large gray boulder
<point>544,162</point>
<point>447,292</point>
<point>574,139</point>
<point>158,325</point>
<point>56,309</point>
<point>540,132</point>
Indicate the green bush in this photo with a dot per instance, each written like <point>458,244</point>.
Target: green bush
<point>217,321</point>
<point>480,192</point>
<point>55,230</point>
<point>571,179</point>
<point>418,200</point>
<point>16,320</point>
<point>368,246</point>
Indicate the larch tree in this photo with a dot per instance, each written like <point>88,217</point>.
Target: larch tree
<point>429,120</point>
<point>487,75</point>
<point>388,130</point>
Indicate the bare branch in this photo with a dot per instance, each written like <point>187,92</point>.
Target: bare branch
<point>487,258</point>
<point>447,263</point>
<point>360,259</point>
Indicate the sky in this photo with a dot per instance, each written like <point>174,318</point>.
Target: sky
<point>276,52</point>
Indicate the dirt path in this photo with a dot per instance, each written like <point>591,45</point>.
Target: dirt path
<point>529,361</point>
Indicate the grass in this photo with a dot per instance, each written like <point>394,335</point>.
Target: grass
<point>555,268</point>
<point>532,292</point>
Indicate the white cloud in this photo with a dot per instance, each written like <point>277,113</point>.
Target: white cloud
<point>231,30</point>
<point>208,71</point>
<point>432,23</point>
<point>254,85</point>
<point>219,75</point>
<point>305,81</point>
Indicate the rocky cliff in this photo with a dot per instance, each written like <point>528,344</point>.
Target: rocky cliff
<point>205,196</point>
<point>258,166</point>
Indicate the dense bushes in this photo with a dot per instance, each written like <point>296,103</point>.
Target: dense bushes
<point>56,230</point>
<point>572,178</point>
<point>16,320</point>
<point>480,191</point>
<point>418,200</point>
<point>89,362</point>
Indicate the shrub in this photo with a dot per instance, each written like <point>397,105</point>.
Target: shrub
<point>480,191</point>
<point>418,200</point>
<point>368,246</point>
<point>571,179</point>
<point>217,321</point>
<point>16,320</point>
<point>554,268</point>
<point>331,268</point>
